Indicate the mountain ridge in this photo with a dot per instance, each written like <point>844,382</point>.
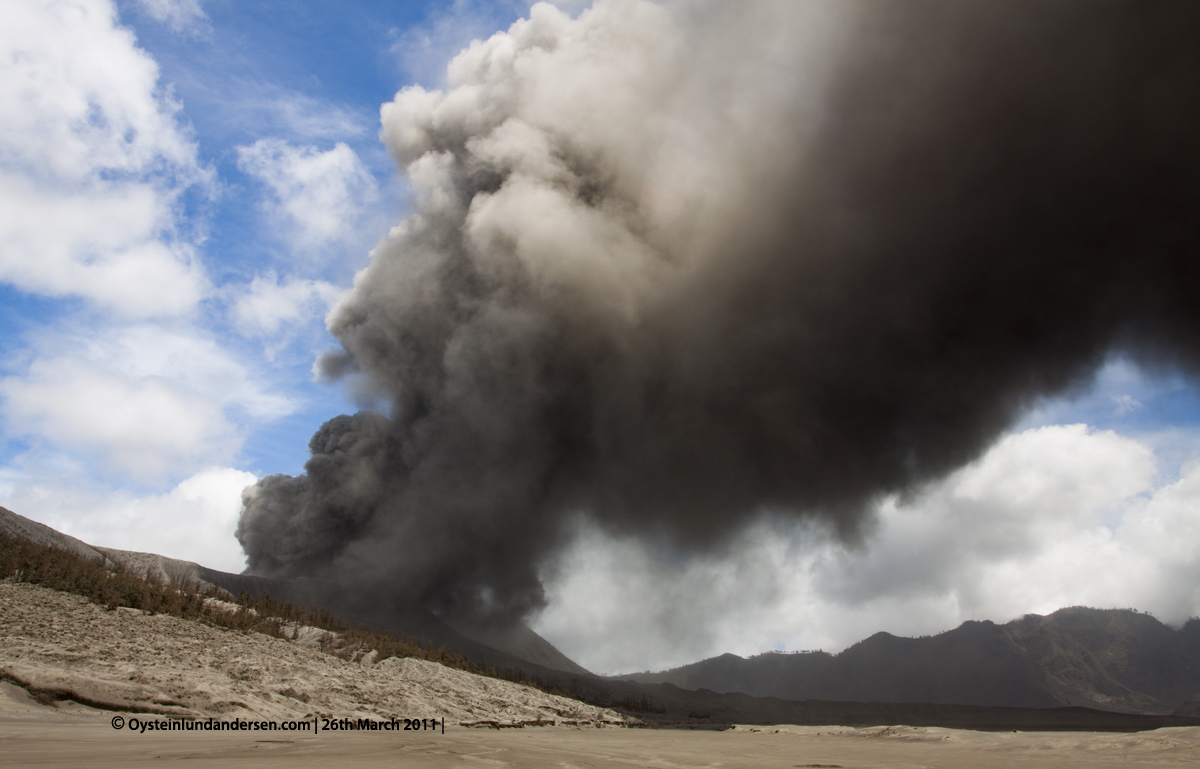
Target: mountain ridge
<point>1113,659</point>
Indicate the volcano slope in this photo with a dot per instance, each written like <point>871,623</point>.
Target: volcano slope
<point>61,647</point>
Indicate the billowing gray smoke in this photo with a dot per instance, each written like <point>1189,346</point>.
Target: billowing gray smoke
<point>672,267</point>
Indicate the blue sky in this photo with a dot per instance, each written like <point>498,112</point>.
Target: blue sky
<point>235,148</point>
<point>187,187</point>
<point>312,77</point>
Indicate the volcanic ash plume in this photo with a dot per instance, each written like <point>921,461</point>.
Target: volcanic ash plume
<point>672,267</point>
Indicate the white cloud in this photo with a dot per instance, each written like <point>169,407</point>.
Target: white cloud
<point>194,521</point>
<point>307,117</point>
<point>1050,517</point>
<point>1125,405</point>
<point>146,426</point>
<point>423,50</point>
<point>321,195</point>
<point>185,356</point>
<point>1030,496</point>
<point>179,15</point>
<point>92,162</point>
<point>1120,388</point>
<point>274,110</point>
<point>268,304</point>
<point>147,401</point>
<point>100,242</point>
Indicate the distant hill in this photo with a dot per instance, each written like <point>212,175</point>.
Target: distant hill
<point>1112,659</point>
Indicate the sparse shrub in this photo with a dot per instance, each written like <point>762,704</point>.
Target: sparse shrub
<point>114,586</point>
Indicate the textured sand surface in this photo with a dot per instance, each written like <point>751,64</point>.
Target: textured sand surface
<point>69,649</point>
<point>82,738</point>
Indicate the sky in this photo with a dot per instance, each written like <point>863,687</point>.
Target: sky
<point>190,186</point>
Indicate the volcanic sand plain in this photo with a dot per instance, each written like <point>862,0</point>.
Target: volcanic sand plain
<point>62,645</point>
<point>29,738</point>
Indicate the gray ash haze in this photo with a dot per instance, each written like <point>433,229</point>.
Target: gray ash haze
<point>671,270</point>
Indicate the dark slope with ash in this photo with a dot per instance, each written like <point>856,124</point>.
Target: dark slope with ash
<point>1116,660</point>
<point>517,649</point>
<point>521,641</point>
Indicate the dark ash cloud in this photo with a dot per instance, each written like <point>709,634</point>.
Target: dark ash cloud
<point>670,267</point>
